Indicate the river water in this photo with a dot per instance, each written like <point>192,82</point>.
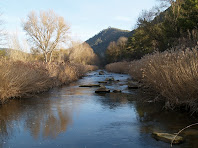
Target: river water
<point>75,117</point>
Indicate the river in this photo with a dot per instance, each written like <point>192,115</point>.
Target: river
<point>75,117</point>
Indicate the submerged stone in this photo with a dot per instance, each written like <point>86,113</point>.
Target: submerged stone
<point>117,91</point>
<point>166,137</point>
<point>133,86</point>
<point>101,73</point>
<point>102,82</point>
<point>102,90</point>
<point>109,79</point>
<point>90,85</point>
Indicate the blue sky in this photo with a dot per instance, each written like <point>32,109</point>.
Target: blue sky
<point>86,17</point>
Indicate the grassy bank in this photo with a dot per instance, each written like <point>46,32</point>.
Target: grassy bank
<point>172,74</point>
<point>22,79</point>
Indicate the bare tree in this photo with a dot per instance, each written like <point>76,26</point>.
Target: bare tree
<point>82,53</point>
<point>112,52</point>
<point>46,31</point>
<point>121,42</point>
<point>116,50</point>
<point>17,50</point>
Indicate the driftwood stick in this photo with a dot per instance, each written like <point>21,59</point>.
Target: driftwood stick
<point>182,131</point>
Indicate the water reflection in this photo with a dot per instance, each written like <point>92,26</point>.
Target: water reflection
<point>46,119</point>
<point>114,100</point>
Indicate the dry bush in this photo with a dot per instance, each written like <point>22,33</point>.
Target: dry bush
<point>22,79</point>
<point>118,67</point>
<point>82,53</point>
<point>173,74</point>
<point>90,67</point>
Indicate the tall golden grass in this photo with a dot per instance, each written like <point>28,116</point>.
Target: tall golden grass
<point>19,79</point>
<point>172,74</point>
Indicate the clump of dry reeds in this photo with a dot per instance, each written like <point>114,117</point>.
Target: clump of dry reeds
<point>173,74</point>
<point>19,79</point>
<point>118,67</point>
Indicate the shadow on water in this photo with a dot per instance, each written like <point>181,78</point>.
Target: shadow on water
<point>77,117</point>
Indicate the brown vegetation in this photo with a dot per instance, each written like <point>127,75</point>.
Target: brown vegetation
<point>22,79</point>
<point>24,74</point>
<point>173,74</point>
<point>116,50</point>
<point>118,67</point>
<point>82,53</point>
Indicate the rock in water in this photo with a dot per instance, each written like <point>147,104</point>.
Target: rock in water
<point>117,91</point>
<point>109,79</point>
<point>102,82</point>
<point>133,86</point>
<point>90,85</point>
<point>101,73</point>
<point>102,90</point>
<point>166,137</point>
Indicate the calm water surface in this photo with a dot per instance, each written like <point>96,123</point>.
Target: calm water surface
<point>75,117</point>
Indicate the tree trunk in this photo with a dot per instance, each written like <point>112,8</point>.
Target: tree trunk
<point>50,58</point>
<point>45,57</point>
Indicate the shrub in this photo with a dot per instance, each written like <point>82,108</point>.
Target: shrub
<point>173,74</point>
<point>19,79</point>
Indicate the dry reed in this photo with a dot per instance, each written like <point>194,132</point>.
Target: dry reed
<point>20,79</point>
<point>172,74</point>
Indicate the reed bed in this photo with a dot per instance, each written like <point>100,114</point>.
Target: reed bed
<point>22,79</point>
<point>173,74</point>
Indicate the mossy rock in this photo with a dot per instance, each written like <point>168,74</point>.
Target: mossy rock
<point>166,137</point>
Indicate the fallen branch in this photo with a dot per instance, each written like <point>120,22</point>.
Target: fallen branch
<point>181,131</point>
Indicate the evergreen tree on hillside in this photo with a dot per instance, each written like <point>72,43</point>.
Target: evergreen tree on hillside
<point>189,15</point>
<point>160,31</point>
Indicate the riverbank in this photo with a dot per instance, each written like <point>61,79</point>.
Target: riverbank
<point>23,79</point>
<point>173,75</point>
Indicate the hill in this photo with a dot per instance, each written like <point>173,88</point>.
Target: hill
<point>100,42</point>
